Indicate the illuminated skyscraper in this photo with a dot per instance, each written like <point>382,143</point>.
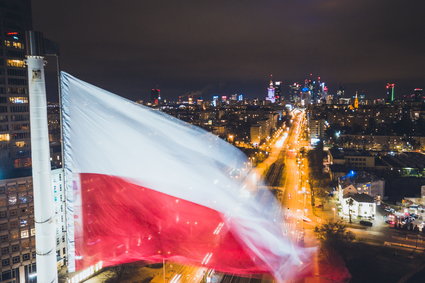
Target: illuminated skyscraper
<point>390,92</point>
<point>155,96</point>
<point>17,228</point>
<point>271,93</point>
<point>15,154</point>
<point>295,93</point>
<point>277,90</point>
<point>356,101</point>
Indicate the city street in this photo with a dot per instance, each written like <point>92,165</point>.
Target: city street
<point>281,173</point>
<point>288,175</point>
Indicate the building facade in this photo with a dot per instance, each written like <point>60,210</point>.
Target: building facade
<point>360,206</point>
<point>15,154</point>
<point>17,229</point>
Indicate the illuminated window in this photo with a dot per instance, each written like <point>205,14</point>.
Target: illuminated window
<point>32,231</point>
<point>15,63</point>
<point>18,99</point>
<point>14,235</point>
<point>13,44</point>
<point>12,200</point>
<point>22,162</point>
<point>24,234</point>
<point>23,222</point>
<point>20,144</point>
<point>4,137</point>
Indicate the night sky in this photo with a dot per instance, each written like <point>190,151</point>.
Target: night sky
<point>232,46</point>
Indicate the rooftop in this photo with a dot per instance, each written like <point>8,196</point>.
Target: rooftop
<point>360,198</point>
<point>339,153</point>
<point>405,160</point>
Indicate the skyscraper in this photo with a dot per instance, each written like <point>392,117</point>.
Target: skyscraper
<point>356,101</point>
<point>295,93</point>
<point>418,95</point>
<point>17,228</point>
<point>155,96</point>
<point>15,154</point>
<point>278,90</point>
<point>271,93</point>
<point>390,92</point>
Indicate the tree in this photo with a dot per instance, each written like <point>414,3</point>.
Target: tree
<point>334,235</point>
<point>123,273</point>
<point>350,203</point>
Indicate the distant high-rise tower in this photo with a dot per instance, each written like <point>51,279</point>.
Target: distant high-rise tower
<point>390,92</point>
<point>356,101</point>
<point>294,93</point>
<point>271,93</point>
<point>278,90</point>
<point>155,96</point>
<point>340,92</point>
<point>418,95</point>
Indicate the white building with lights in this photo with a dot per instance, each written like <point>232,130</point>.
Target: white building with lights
<point>358,205</point>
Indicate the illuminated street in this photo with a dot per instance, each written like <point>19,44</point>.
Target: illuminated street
<point>212,142</point>
<point>285,172</point>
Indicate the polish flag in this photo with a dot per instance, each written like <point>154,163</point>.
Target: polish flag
<point>144,185</point>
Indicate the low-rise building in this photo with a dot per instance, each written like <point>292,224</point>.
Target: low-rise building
<point>351,158</point>
<point>362,183</point>
<point>358,206</point>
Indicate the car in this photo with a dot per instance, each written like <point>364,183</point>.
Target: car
<point>306,219</point>
<point>366,223</point>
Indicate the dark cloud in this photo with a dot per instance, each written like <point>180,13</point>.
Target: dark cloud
<point>232,46</point>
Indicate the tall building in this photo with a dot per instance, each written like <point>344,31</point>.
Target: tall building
<point>356,101</point>
<point>271,93</point>
<point>339,94</point>
<point>278,90</point>
<point>155,96</point>
<point>317,130</point>
<point>294,93</point>
<point>15,154</point>
<point>390,92</point>
<point>418,94</point>
<point>17,229</point>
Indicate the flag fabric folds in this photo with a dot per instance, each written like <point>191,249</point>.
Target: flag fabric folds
<point>147,186</point>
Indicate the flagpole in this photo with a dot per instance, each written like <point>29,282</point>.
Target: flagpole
<point>163,269</point>
<point>44,208</point>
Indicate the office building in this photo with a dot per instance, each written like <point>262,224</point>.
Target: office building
<point>390,92</point>
<point>17,229</point>
<point>155,96</point>
<point>418,95</point>
<point>15,154</point>
<point>278,90</point>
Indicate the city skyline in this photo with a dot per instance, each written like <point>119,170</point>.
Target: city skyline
<point>224,48</point>
<point>266,141</point>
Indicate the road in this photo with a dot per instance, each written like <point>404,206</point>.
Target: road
<point>296,197</point>
<point>286,175</point>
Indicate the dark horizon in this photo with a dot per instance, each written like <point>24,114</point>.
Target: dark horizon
<point>224,47</point>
